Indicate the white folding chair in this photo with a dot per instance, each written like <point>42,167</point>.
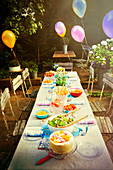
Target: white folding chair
<point>85,52</point>
<point>16,83</point>
<point>107,80</point>
<point>4,99</point>
<point>81,62</point>
<point>25,75</point>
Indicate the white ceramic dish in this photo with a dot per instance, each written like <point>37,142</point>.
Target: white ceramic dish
<point>53,129</point>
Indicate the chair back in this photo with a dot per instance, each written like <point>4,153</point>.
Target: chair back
<point>16,83</point>
<point>25,75</point>
<point>4,99</point>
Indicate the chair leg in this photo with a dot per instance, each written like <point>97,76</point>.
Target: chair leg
<point>17,100</point>
<point>102,91</point>
<point>89,82</point>
<point>92,86</point>
<point>4,118</point>
<point>30,83</point>
<point>23,90</point>
<point>26,89</point>
<point>11,108</point>
<point>110,104</point>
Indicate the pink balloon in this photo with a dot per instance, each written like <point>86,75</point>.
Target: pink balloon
<point>78,33</point>
<point>59,27</point>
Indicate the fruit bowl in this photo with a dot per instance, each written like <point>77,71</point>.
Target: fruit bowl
<point>75,92</point>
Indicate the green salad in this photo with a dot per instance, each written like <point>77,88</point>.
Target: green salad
<point>60,120</point>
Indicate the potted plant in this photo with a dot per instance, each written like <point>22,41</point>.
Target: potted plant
<point>14,65</point>
<point>33,67</point>
<point>24,64</point>
<point>101,58</point>
<point>65,44</point>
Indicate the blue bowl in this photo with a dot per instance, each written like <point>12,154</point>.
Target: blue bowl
<point>43,116</point>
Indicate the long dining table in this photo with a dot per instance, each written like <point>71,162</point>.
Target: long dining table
<point>91,152</point>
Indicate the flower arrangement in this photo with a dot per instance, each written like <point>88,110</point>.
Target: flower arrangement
<point>101,54</point>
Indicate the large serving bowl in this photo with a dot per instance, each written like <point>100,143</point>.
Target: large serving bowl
<point>75,92</point>
<point>53,129</point>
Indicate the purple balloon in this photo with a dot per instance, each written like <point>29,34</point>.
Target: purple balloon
<point>78,33</point>
<point>107,24</point>
<point>79,7</point>
<point>59,27</point>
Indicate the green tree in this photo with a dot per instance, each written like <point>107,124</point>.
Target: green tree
<point>22,17</point>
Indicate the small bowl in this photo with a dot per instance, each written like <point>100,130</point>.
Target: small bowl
<point>53,129</point>
<point>75,94</point>
<point>42,116</point>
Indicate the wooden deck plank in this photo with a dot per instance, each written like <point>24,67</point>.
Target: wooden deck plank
<point>99,124</point>
<point>93,107</point>
<point>109,124</point>
<point>103,123</point>
<point>101,106</point>
<point>97,106</point>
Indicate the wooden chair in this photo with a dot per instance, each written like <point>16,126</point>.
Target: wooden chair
<point>4,99</point>
<point>104,122</point>
<point>85,52</point>
<point>16,83</point>
<point>25,75</point>
<point>108,81</point>
<point>105,125</point>
<point>83,63</point>
<point>32,91</point>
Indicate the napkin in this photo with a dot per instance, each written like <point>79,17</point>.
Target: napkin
<point>32,133</point>
<point>43,103</point>
<point>72,79</point>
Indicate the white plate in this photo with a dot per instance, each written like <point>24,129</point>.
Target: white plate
<point>31,130</point>
<point>89,150</point>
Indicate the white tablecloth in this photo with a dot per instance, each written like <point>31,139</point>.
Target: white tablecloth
<point>27,154</point>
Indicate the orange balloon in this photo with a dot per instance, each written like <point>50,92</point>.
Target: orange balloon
<point>63,34</point>
<point>8,38</point>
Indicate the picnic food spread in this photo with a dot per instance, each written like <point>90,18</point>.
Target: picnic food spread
<point>69,107</point>
<point>50,73</point>
<point>47,81</point>
<point>56,103</point>
<point>76,92</point>
<point>60,121</point>
<point>61,69</point>
<point>41,113</point>
<point>61,142</point>
<point>63,91</point>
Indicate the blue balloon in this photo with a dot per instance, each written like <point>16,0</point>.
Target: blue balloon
<point>107,24</point>
<point>79,7</point>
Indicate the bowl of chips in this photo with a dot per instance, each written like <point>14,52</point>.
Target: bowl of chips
<point>75,92</point>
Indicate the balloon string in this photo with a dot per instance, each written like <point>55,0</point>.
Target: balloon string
<point>84,29</point>
<point>15,55</point>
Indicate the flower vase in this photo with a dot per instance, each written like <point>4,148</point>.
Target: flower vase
<point>65,49</point>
